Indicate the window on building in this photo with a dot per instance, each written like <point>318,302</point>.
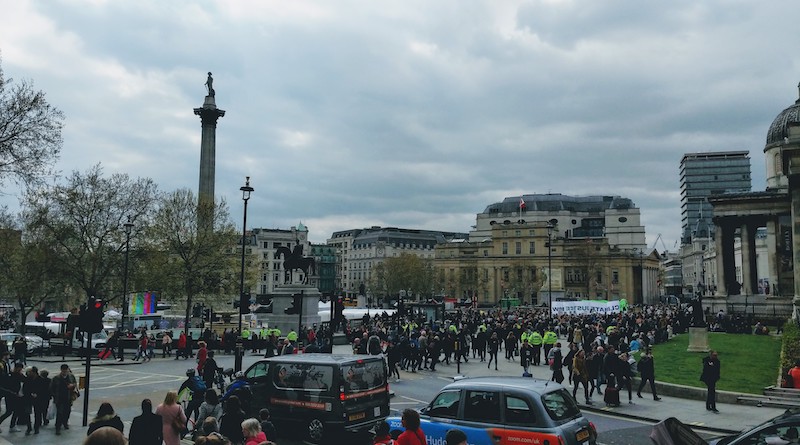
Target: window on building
<point>485,274</point>
<point>599,276</point>
<point>533,273</point>
<point>263,288</point>
<point>519,275</point>
<point>518,232</point>
<point>266,244</point>
<point>275,278</point>
<point>615,276</point>
<point>518,248</point>
<point>531,232</point>
<point>531,247</point>
<point>505,248</point>
<point>485,252</point>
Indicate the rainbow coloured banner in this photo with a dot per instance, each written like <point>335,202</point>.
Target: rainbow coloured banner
<point>143,303</point>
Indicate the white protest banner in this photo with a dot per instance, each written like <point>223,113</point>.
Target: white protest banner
<point>584,307</point>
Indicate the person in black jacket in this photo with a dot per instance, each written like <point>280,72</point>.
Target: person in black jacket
<point>13,393</point>
<point>146,428</point>
<point>210,369</point>
<point>710,376</point>
<point>105,417</point>
<point>230,424</point>
<point>647,370</point>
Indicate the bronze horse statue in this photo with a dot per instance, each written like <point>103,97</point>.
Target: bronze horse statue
<point>294,260</point>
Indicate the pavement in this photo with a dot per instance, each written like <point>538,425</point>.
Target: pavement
<point>687,404</point>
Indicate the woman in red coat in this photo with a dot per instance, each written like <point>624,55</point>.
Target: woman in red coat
<point>202,354</point>
<point>181,346</point>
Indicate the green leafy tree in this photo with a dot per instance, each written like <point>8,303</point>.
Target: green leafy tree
<point>30,133</point>
<point>410,273</point>
<point>83,218</point>
<point>193,251</point>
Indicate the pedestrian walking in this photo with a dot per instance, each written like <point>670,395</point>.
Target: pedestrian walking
<point>43,397</point>
<point>555,360</point>
<point>63,387</point>
<point>710,376</point>
<point>166,345</point>
<point>14,397</point>
<point>173,419</point>
<point>494,346</point>
<point>580,375</point>
<point>647,371</point>
<point>105,417</point>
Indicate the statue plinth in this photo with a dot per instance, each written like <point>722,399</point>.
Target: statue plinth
<point>283,298</point>
<point>698,339</point>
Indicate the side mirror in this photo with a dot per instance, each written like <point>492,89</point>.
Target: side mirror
<point>424,410</point>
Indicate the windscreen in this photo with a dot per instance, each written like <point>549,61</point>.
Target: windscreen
<point>363,376</point>
<point>560,405</point>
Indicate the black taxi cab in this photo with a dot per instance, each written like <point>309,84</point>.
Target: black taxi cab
<point>318,394</point>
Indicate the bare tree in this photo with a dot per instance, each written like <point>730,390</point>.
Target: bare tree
<point>30,133</point>
<point>84,220</point>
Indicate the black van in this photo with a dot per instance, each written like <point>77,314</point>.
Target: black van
<point>320,392</point>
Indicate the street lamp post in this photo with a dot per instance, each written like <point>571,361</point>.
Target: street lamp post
<point>128,226</point>
<point>237,364</point>
<point>550,228</point>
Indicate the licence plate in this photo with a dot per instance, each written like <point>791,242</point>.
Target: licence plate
<point>356,416</point>
<point>582,435</point>
<point>376,412</point>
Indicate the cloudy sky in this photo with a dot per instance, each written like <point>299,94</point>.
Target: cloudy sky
<point>416,114</point>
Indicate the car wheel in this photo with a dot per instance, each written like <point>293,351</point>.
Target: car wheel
<point>315,429</point>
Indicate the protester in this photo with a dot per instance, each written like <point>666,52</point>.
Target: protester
<point>211,407</point>
<point>230,424</point>
<point>266,424</point>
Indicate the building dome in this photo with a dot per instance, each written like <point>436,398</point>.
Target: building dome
<point>780,126</point>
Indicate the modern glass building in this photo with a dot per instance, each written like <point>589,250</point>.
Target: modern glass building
<point>704,175</point>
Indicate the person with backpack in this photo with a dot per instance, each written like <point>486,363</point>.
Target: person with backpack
<point>196,388</point>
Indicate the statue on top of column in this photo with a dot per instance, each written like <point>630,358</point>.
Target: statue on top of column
<point>210,84</point>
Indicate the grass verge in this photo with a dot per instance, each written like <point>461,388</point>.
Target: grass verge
<point>748,362</point>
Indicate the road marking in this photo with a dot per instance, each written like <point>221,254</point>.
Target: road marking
<point>413,400</point>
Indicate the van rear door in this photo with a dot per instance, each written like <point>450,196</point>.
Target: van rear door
<point>364,391</point>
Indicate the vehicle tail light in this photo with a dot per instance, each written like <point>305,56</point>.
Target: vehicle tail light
<point>561,440</point>
<point>341,393</point>
<point>593,429</point>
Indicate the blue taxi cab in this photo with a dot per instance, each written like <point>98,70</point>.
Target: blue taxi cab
<point>504,411</point>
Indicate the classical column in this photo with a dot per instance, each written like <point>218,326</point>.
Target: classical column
<point>722,288</point>
<point>772,252</point>
<point>209,114</point>
<point>747,255</point>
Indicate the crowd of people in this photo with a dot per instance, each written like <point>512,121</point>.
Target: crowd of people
<point>602,348</point>
<point>208,417</point>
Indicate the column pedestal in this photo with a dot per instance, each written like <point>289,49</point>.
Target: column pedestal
<point>698,339</point>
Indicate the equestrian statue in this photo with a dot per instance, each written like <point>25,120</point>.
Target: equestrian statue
<point>294,260</point>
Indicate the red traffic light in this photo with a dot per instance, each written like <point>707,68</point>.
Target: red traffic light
<point>98,304</point>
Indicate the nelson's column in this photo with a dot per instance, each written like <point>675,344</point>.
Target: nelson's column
<point>209,114</point>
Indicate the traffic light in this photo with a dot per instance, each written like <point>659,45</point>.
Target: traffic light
<point>297,303</point>
<point>91,316</point>
<point>207,314</point>
<point>244,303</point>
<point>197,310</point>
